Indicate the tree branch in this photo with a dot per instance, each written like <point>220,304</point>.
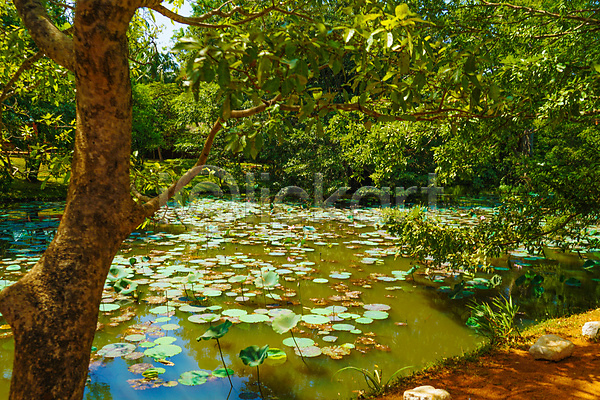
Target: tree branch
<point>25,66</point>
<point>200,21</point>
<point>53,42</point>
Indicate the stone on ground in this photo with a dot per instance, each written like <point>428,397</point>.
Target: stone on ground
<point>591,329</point>
<point>551,347</point>
<point>426,393</point>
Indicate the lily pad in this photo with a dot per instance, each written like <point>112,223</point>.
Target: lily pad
<point>310,351</point>
<point>276,356</point>
<point>165,340</point>
<point>163,351</point>
<point>194,378</point>
<point>254,318</point>
<point>115,350</point>
<point>376,314</point>
<point>315,319</point>
<point>108,307</point>
<point>301,342</point>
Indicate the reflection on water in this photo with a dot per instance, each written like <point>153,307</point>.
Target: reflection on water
<point>221,240</point>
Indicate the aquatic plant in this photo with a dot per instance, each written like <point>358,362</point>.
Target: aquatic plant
<point>495,321</point>
<point>254,356</point>
<point>374,379</point>
<point>216,332</point>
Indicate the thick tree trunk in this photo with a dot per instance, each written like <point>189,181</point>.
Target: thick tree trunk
<point>53,309</point>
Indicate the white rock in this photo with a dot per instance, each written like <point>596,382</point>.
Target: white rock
<point>426,393</point>
<point>551,347</point>
<point>591,329</point>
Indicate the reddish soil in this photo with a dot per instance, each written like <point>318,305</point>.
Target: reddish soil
<point>514,374</point>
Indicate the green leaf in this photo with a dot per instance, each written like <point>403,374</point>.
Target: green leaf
<point>223,73</point>
<point>216,332</point>
<point>253,355</point>
<point>285,322</point>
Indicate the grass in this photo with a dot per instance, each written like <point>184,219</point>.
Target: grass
<point>21,190</point>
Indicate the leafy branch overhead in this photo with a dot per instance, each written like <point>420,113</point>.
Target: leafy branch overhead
<point>389,65</point>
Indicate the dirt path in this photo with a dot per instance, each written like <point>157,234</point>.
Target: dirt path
<point>513,374</point>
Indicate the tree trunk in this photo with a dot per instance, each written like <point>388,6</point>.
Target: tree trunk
<point>53,309</point>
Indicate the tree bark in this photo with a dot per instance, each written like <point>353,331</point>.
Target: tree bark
<point>53,309</point>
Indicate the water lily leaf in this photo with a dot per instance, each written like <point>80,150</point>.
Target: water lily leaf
<point>234,312</point>
<point>170,327</point>
<point>160,320</point>
<point>330,339</point>
<point>573,282</point>
<point>336,352</point>
<point>343,327</point>
<point>376,307</point>
<point>216,332</point>
<point>253,355</point>
<point>108,307</point>
<point>275,356</point>
<point>315,319</point>
<point>376,314</point>
<point>116,350</point>
<point>301,342</point>
<point>135,338</point>
<point>284,322</point>
<point>194,378</point>
<point>163,351</point>
<point>254,318</point>
<point>165,340</point>
<point>191,309</point>
<point>160,310</point>
<point>310,351</point>
<point>203,318</point>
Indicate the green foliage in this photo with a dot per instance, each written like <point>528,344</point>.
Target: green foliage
<point>423,236</point>
<point>374,379</point>
<point>216,332</point>
<point>254,356</point>
<point>495,321</point>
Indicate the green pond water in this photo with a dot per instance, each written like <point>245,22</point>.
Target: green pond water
<point>216,260</point>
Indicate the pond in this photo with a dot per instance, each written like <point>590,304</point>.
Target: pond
<point>354,300</point>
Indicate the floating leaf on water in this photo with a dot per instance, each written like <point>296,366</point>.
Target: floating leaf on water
<point>160,310</point>
<point>309,351</point>
<point>135,337</point>
<point>136,355</point>
<point>163,351</point>
<point>160,320</point>
<point>116,350</point>
<point>170,327</point>
<point>165,340</point>
<point>335,352</point>
<point>254,318</point>
<point>376,307</point>
<point>203,318</point>
<point>320,280</point>
<point>343,327</point>
<point>302,342</point>
<point>376,314</point>
<point>330,339</point>
<point>364,320</point>
<point>234,312</point>
<point>108,307</point>
<point>315,319</point>
<point>275,356</point>
<point>191,309</point>
<point>194,378</point>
